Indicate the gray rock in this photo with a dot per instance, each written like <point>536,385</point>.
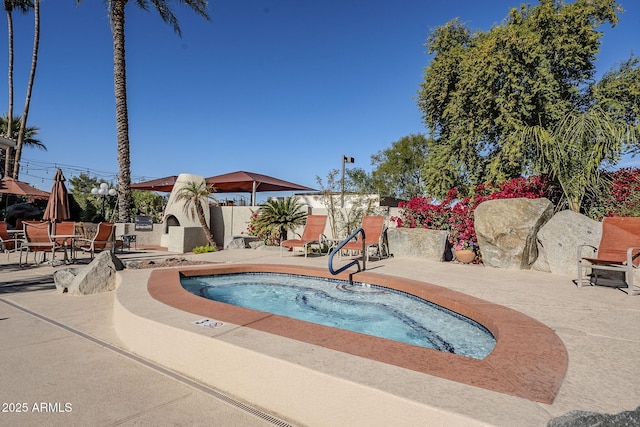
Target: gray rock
<point>257,244</point>
<point>586,419</point>
<point>559,238</point>
<point>263,247</point>
<point>239,242</point>
<point>98,276</point>
<point>417,243</point>
<point>507,229</point>
<point>64,277</point>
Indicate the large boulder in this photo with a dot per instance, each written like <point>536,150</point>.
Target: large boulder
<point>587,418</point>
<point>417,243</point>
<point>98,276</point>
<point>507,229</point>
<point>559,238</point>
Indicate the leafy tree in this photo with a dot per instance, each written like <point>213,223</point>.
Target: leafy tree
<point>116,10</point>
<point>596,134</point>
<point>618,94</point>
<point>27,102</point>
<point>148,203</point>
<point>398,171</point>
<point>80,190</point>
<point>277,217</point>
<point>28,139</point>
<point>10,6</point>
<point>357,180</point>
<point>481,87</point>
<point>343,221</point>
<point>196,198</point>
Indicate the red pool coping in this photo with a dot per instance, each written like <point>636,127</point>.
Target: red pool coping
<point>529,359</point>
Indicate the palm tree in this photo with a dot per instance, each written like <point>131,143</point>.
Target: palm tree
<point>576,148</point>
<point>28,139</point>
<point>27,102</point>
<point>117,17</point>
<point>195,195</point>
<point>280,216</point>
<point>10,6</point>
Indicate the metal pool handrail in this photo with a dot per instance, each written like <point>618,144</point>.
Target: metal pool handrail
<point>355,261</point>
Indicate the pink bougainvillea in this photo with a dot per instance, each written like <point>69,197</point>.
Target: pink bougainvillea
<point>621,195</point>
<point>456,214</point>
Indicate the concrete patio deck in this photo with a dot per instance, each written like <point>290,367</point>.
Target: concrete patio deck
<point>59,349</point>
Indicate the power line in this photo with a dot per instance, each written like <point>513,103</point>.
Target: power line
<point>38,170</point>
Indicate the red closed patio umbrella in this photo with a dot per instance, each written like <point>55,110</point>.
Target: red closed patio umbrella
<point>58,205</point>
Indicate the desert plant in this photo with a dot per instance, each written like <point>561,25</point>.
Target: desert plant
<point>195,195</point>
<point>203,249</point>
<point>343,221</point>
<point>576,148</point>
<point>276,217</point>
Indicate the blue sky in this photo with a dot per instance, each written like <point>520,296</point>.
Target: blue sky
<point>278,87</point>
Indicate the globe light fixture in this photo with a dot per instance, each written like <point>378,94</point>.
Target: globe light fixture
<point>103,191</point>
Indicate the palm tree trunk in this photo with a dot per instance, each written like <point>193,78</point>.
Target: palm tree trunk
<point>203,224</point>
<point>122,114</point>
<point>32,76</point>
<point>8,151</point>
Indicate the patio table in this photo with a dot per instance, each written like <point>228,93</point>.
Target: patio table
<point>126,242</point>
<point>67,241</point>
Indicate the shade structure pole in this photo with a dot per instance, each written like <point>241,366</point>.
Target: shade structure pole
<point>253,194</point>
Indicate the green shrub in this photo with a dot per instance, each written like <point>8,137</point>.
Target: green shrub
<point>203,249</point>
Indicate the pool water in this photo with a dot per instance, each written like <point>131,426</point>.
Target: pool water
<point>367,309</point>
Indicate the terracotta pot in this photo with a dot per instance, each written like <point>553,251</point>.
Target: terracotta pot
<point>465,256</point>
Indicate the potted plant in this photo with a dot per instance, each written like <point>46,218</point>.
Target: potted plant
<point>465,250</point>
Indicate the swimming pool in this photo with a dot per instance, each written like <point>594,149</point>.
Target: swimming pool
<point>529,360</point>
<point>354,306</point>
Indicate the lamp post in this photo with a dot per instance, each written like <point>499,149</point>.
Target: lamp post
<point>103,192</point>
<point>345,159</point>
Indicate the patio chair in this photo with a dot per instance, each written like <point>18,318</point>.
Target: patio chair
<point>38,239</point>
<point>8,243</point>
<point>374,237</point>
<point>102,239</point>
<point>65,228</point>
<point>616,257</point>
<point>311,235</point>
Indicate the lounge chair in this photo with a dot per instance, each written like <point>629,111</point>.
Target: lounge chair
<point>311,235</point>
<point>38,239</point>
<point>374,234</point>
<point>616,257</point>
<point>102,239</point>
